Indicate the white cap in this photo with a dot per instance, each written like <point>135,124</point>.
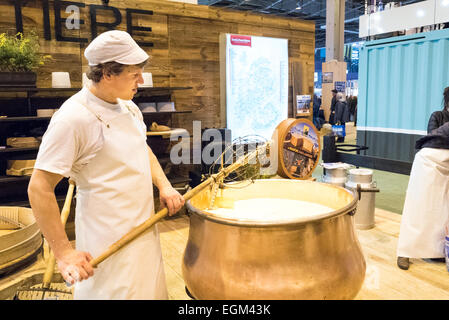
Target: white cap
<point>116,46</point>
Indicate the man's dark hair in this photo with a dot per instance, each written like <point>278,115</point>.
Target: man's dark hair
<point>446,98</point>
<point>95,73</point>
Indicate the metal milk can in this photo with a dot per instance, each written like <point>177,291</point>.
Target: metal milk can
<point>335,173</point>
<point>360,181</point>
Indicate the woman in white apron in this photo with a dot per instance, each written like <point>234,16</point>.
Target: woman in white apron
<point>426,209</point>
<point>114,173</point>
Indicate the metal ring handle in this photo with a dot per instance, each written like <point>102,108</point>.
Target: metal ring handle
<point>360,190</point>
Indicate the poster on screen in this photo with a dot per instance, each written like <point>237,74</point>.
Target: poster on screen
<point>328,77</point>
<point>340,86</point>
<point>303,105</point>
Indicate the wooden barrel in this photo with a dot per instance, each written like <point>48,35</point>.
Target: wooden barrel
<point>298,148</point>
<point>19,246</point>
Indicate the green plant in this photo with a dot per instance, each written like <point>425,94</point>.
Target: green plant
<point>20,53</point>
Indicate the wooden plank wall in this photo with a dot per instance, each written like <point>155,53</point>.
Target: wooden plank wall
<point>185,51</point>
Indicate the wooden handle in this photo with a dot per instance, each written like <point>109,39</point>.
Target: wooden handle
<point>137,231</point>
<point>49,270</point>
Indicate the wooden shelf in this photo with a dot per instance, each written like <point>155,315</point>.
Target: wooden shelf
<point>31,89</point>
<point>17,150</point>
<point>162,88</point>
<point>176,180</point>
<point>14,188</point>
<point>24,119</point>
<point>8,179</point>
<point>168,134</point>
<point>34,118</point>
<point>25,203</point>
<point>163,112</point>
<point>163,159</point>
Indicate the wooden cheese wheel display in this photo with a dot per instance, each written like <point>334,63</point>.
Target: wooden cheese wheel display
<point>298,148</point>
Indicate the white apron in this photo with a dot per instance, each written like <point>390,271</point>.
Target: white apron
<point>426,207</point>
<point>115,194</point>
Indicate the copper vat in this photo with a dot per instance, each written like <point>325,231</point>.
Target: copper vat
<point>305,258</point>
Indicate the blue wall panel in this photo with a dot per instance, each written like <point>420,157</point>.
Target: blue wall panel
<point>401,82</point>
<point>402,79</point>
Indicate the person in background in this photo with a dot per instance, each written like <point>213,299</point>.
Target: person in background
<point>341,113</point>
<point>316,112</point>
<point>440,117</point>
<point>321,115</point>
<point>426,208</point>
<point>354,106</point>
<point>333,103</point>
<point>98,138</point>
<point>349,102</point>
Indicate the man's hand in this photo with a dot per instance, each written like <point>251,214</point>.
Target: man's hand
<point>171,199</point>
<point>74,266</point>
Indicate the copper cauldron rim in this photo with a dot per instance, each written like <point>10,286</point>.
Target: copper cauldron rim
<point>348,209</point>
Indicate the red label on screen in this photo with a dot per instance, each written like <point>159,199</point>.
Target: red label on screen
<point>240,40</point>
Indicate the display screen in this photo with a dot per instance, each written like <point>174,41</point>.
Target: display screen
<point>256,84</point>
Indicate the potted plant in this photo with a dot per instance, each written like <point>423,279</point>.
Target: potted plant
<point>19,57</point>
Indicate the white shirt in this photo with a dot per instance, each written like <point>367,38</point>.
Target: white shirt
<point>74,134</point>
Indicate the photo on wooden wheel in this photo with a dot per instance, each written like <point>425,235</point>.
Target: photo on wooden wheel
<point>299,148</point>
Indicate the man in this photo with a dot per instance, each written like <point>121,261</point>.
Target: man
<point>341,114</point>
<point>333,103</point>
<point>350,106</point>
<point>98,138</point>
<point>316,112</point>
<point>354,104</point>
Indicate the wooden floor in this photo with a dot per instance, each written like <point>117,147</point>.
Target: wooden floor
<point>384,280</point>
<point>174,234</point>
